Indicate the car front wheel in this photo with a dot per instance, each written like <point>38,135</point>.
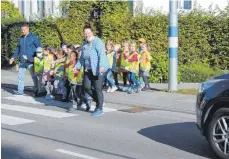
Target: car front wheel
<point>218,133</point>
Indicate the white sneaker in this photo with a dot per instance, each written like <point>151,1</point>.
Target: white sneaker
<point>113,89</point>
<point>109,90</point>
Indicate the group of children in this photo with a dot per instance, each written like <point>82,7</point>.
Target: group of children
<point>132,63</point>
<point>55,69</point>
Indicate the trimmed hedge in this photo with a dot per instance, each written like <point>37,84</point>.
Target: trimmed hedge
<point>198,72</point>
<point>203,36</point>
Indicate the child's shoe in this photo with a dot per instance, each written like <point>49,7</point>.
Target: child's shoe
<point>113,89</point>
<point>109,90</point>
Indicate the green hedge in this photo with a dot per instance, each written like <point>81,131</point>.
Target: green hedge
<point>198,72</point>
<point>203,36</point>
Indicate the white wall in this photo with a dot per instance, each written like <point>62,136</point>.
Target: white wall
<point>163,5</point>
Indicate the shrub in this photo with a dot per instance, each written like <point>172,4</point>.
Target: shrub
<point>198,72</point>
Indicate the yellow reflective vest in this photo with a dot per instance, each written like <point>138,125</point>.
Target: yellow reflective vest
<point>75,79</point>
<point>38,65</point>
<point>145,65</point>
<point>124,63</point>
<point>134,66</point>
<point>59,69</point>
<point>48,62</point>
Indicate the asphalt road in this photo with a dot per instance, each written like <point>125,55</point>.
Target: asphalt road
<point>33,129</point>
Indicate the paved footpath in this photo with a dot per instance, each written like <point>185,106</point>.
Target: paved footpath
<point>152,99</point>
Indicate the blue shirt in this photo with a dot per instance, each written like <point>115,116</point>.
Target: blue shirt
<point>98,58</point>
<point>86,56</point>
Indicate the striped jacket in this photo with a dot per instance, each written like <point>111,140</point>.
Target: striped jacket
<point>97,56</point>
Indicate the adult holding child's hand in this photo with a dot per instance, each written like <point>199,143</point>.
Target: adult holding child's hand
<point>95,63</point>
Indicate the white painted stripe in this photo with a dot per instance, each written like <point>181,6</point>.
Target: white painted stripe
<point>75,154</point>
<point>173,42</point>
<point>29,99</point>
<point>187,100</point>
<point>42,112</point>
<point>26,99</point>
<point>9,120</point>
<point>105,109</point>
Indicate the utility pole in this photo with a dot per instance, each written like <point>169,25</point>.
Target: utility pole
<point>173,44</point>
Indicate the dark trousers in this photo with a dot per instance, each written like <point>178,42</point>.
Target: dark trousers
<point>78,94</point>
<point>115,75</point>
<point>68,89</point>
<point>125,76</point>
<point>93,85</point>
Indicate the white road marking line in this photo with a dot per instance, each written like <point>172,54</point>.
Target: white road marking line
<point>187,100</point>
<point>26,99</point>
<point>29,99</point>
<point>42,112</point>
<point>10,120</point>
<point>105,109</point>
<point>75,154</point>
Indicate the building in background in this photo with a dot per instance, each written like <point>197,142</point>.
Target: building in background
<point>163,5</point>
<point>38,9</point>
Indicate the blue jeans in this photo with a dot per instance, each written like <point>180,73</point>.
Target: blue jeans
<point>133,80</point>
<point>21,76</point>
<point>109,78</point>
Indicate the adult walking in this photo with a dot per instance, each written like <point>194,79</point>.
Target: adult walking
<point>95,63</point>
<point>26,49</point>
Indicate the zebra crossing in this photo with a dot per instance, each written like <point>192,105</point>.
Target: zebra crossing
<point>37,111</point>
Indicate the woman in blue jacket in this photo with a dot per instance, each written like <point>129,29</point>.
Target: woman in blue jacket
<point>95,63</point>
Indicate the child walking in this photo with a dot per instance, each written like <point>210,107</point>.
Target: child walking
<point>133,60</point>
<point>145,66</point>
<point>59,72</point>
<point>116,63</point>
<point>110,55</point>
<point>124,63</point>
<point>75,79</point>
<point>48,73</point>
<point>38,69</point>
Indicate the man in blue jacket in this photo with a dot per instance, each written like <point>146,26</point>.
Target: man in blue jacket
<point>25,50</point>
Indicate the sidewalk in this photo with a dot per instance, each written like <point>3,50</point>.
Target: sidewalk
<point>152,99</point>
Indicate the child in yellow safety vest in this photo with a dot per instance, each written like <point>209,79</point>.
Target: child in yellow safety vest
<point>48,73</point>
<point>38,68</point>
<point>124,64</point>
<point>75,78</point>
<point>116,63</point>
<point>145,65</point>
<point>133,66</point>
<point>59,71</point>
<point>110,55</point>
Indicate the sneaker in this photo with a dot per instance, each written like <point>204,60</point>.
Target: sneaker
<point>52,97</point>
<point>48,97</point>
<point>109,90</point>
<point>97,112</point>
<point>88,105</point>
<point>130,91</point>
<point>113,89</point>
<point>145,88</point>
<point>72,110</point>
<point>18,93</point>
<point>139,89</point>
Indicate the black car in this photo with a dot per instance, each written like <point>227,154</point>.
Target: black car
<point>212,112</point>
